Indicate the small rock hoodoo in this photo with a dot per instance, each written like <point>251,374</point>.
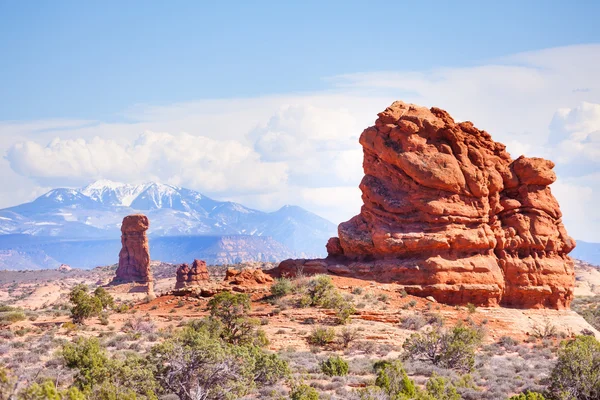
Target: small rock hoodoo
<point>447,213</point>
<point>134,257</point>
<point>187,276</point>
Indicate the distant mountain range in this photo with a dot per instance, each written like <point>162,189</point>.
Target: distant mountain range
<point>81,227</point>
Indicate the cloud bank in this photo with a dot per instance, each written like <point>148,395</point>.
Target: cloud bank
<point>303,148</point>
<point>182,159</point>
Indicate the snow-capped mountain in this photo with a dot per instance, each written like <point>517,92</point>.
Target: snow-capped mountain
<point>96,211</point>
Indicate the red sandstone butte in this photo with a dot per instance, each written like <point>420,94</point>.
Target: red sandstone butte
<point>134,258</point>
<point>187,276</point>
<point>448,213</point>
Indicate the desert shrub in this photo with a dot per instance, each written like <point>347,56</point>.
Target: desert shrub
<point>268,369</point>
<point>10,317</point>
<point>6,334</point>
<point>108,391</point>
<point>334,366</point>
<point>383,297</point>
<point>507,341</point>
<point>347,336</point>
<point>320,292</point>
<point>545,330</point>
<point>121,308</point>
<point>304,392</point>
<point>413,322</point>
<point>131,377</point>
<point>6,384</point>
<point>439,388</point>
<point>434,319</point>
<point>393,380</point>
<point>453,349</point>
<point>528,396</point>
<point>103,318</point>
<point>576,374</point>
<point>369,393</point>
<point>100,378</point>
<point>197,364</point>
<point>84,305</point>
<point>232,310</point>
<point>69,326</point>
<point>104,297</point>
<point>471,308</point>
<point>321,336</point>
<point>90,360</point>
<point>357,290</point>
<point>282,287</point>
<point>344,308</point>
<point>46,390</point>
<point>194,364</point>
<point>139,325</point>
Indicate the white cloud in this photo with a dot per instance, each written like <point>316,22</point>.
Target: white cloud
<point>330,199</point>
<point>183,159</point>
<point>319,144</point>
<point>578,199</point>
<point>297,131</point>
<point>575,135</point>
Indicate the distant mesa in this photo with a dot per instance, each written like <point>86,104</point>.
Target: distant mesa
<point>134,257</point>
<point>448,213</point>
<point>195,275</point>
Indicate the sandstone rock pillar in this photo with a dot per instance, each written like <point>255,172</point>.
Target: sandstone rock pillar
<point>134,258</point>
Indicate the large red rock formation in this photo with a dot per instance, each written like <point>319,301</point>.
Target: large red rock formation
<point>447,213</point>
<point>187,276</point>
<point>134,258</point>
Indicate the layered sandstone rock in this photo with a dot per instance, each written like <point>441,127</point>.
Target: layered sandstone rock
<point>195,275</point>
<point>134,258</point>
<point>247,277</point>
<point>447,213</point>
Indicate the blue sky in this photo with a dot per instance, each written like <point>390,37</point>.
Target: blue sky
<point>263,102</point>
<point>92,59</point>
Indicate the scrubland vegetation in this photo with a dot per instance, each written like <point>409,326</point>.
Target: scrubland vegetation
<point>226,353</point>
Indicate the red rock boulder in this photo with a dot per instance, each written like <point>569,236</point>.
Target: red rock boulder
<point>247,277</point>
<point>447,213</point>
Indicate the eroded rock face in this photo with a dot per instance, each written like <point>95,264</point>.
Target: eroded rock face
<point>187,276</point>
<point>134,258</point>
<point>247,277</point>
<point>449,214</point>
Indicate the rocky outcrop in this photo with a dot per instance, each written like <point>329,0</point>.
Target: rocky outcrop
<point>248,280</point>
<point>64,268</point>
<point>247,277</point>
<point>134,258</point>
<point>187,276</point>
<point>447,213</point>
